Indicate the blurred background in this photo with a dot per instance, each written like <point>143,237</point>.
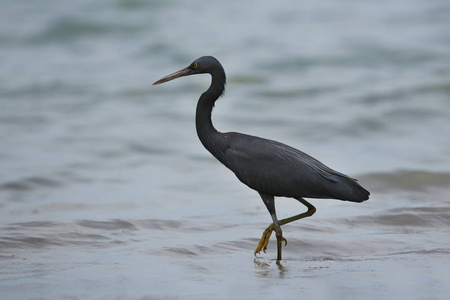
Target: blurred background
<point>106,192</point>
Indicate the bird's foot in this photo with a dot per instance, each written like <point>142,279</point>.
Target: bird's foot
<point>265,239</point>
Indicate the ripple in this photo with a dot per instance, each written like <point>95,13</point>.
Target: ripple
<point>415,180</point>
<point>436,217</point>
<point>439,251</point>
<point>27,242</point>
<point>33,224</point>
<point>161,224</point>
<point>30,183</point>
<point>107,225</point>
<point>65,29</point>
<point>42,234</point>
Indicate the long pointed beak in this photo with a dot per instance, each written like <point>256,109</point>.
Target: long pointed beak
<point>181,73</point>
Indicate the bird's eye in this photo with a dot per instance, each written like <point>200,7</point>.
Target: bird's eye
<point>195,65</point>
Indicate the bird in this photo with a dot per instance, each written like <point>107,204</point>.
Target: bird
<point>271,168</point>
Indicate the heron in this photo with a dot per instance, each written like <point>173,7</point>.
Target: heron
<point>271,168</point>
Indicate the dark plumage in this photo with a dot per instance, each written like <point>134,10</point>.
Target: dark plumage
<point>269,167</point>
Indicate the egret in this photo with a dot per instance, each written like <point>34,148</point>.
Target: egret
<point>269,167</point>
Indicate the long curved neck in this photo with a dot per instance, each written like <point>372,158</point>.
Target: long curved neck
<point>206,132</point>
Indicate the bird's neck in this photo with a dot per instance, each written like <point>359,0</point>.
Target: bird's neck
<point>206,132</point>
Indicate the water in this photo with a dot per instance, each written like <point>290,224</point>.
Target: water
<point>106,192</point>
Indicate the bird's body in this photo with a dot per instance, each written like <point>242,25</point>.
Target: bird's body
<point>269,167</point>
<point>277,169</point>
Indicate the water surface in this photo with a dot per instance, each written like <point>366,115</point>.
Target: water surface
<point>106,192</point>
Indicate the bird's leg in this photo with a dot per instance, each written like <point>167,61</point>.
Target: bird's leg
<point>279,235</point>
<point>275,226</point>
<point>311,210</point>
<point>266,236</point>
<point>268,232</point>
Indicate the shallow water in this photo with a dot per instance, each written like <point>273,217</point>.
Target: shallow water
<point>106,192</point>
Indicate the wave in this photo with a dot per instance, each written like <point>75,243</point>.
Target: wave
<point>410,180</point>
<point>404,217</point>
<point>30,183</point>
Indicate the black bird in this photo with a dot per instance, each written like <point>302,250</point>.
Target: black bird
<point>271,168</point>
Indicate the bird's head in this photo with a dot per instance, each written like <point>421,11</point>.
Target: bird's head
<point>204,64</point>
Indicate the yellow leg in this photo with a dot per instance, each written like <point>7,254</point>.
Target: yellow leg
<point>265,239</point>
<point>268,232</point>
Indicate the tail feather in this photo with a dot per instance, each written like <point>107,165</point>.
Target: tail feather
<point>348,189</point>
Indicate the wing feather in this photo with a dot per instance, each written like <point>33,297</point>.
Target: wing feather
<point>278,169</point>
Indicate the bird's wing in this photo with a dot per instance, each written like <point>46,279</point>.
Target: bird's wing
<point>303,160</point>
<point>262,163</point>
<point>255,151</point>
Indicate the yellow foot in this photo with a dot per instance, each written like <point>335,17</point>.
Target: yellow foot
<point>265,240</point>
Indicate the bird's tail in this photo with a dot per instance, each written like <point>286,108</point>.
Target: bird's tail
<point>350,190</point>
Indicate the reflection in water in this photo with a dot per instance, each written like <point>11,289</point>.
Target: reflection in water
<point>262,267</point>
<point>265,269</point>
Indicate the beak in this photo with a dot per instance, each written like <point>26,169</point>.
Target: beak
<point>181,73</point>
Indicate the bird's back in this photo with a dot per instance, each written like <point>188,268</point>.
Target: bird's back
<point>277,169</point>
